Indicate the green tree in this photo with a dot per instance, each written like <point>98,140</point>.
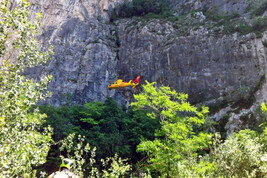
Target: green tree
<point>112,130</point>
<point>176,141</point>
<point>64,119</point>
<point>23,142</point>
<point>106,126</point>
<point>138,126</point>
<point>240,155</point>
<point>102,125</point>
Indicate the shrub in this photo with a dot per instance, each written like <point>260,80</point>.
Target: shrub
<point>85,163</point>
<point>239,156</point>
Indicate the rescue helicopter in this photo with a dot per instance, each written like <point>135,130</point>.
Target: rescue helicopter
<point>121,84</point>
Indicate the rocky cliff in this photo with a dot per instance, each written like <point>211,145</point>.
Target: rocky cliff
<point>192,53</point>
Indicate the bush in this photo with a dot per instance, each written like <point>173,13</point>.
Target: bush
<point>239,156</point>
<point>85,163</point>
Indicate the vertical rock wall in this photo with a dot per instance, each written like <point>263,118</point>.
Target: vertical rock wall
<point>90,53</point>
<point>206,66</point>
<point>85,59</point>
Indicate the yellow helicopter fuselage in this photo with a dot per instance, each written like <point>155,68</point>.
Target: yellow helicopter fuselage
<point>120,84</point>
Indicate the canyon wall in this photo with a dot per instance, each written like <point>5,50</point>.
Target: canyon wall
<point>223,71</point>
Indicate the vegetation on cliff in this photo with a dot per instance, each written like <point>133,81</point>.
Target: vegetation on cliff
<point>127,9</point>
<point>216,21</point>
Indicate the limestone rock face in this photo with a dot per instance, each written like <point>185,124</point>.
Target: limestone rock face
<point>90,52</point>
<point>85,58</point>
<point>205,66</point>
<point>218,70</point>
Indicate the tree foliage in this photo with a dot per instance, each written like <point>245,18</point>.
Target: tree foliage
<point>243,154</point>
<point>239,156</point>
<point>23,142</point>
<point>62,119</point>
<point>105,125</point>
<point>176,141</point>
<point>85,165</point>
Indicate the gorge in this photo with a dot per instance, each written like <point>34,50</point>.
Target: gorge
<point>214,50</point>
